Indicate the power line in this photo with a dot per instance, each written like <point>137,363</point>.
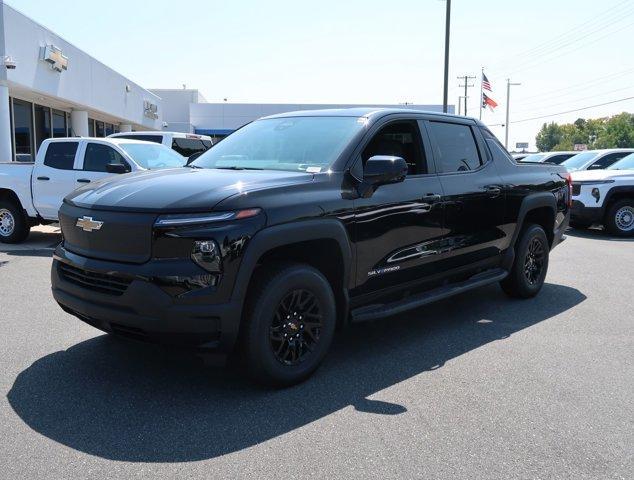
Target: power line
<point>567,111</point>
<point>629,87</point>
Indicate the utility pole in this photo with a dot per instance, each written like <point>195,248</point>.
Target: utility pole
<point>508,97</point>
<point>446,84</point>
<point>466,86</point>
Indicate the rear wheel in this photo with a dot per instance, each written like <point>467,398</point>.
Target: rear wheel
<point>13,224</point>
<point>289,324</point>
<point>530,266</point>
<point>620,218</point>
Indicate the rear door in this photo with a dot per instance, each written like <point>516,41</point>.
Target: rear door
<point>95,157</point>
<point>473,196</point>
<point>397,227</point>
<point>54,178</point>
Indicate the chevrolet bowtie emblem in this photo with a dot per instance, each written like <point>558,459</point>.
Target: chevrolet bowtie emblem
<point>87,224</point>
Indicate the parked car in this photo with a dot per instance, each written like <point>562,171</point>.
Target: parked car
<point>186,144</point>
<point>605,197</point>
<point>519,156</point>
<point>302,222</point>
<point>31,193</point>
<point>596,159</point>
<point>555,158</point>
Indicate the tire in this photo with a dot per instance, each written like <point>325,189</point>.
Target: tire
<point>280,341</point>
<point>14,227</point>
<point>530,266</point>
<point>619,220</point>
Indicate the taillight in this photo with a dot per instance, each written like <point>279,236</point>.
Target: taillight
<point>569,183</point>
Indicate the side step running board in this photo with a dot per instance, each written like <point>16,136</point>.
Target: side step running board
<point>372,312</point>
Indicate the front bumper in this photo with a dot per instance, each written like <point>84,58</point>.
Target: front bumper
<point>112,298</point>
<point>585,215</point>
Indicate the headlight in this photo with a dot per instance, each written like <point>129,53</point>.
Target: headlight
<point>206,254</point>
<point>186,219</point>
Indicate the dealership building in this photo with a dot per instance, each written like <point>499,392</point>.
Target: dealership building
<point>51,88</point>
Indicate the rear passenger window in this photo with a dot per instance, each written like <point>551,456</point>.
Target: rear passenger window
<point>98,156</point>
<point>455,146</point>
<point>61,155</point>
<point>607,160</point>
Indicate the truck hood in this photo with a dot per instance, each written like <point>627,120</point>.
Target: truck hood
<point>589,175</point>
<point>177,190</point>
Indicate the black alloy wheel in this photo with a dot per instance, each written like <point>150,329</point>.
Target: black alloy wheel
<point>534,260</point>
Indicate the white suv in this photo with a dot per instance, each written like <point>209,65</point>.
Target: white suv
<point>186,144</point>
<point>605,197</point>
<point>596,159</point>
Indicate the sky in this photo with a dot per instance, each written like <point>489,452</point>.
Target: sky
<point>567,54</point>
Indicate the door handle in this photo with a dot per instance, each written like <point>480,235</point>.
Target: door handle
<point>43,178</point>
<point>83,180</point>
<point>493,190</point>
<point>430,197</point>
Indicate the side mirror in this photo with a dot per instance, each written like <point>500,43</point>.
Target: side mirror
<point>384,169</point>
<point>117,168</point>
<point>193,157</point>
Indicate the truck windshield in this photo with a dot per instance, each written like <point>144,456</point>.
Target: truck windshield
<point>579,160</point>
<point>153,156</point>
<point>626,163</point>
<point>297,144</point>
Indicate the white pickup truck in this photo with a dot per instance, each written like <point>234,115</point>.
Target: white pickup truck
<point>605,197</point>
<point>31,193</point>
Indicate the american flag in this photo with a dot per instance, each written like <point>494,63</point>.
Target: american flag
<point>485,83</point>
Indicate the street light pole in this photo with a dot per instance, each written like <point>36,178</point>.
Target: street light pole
<point>447,24</point>
<point>508,97</point>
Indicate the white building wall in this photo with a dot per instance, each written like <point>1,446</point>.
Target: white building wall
<point>87,84</point>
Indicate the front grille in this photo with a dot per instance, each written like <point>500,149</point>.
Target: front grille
<point>576,189</point>
<point>99,282</point>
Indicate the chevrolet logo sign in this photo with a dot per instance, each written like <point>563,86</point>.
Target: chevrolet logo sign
<point>53,55</point>
<point>87,224</point>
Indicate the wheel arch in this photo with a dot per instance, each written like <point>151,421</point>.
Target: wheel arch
<point>617,193</point>
<point>539,208</point>
<point>308,242</point>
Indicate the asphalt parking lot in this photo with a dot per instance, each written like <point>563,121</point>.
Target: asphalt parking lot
<point>478,386</point>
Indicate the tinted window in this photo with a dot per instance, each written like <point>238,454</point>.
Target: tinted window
<point>400,139</point>
<point>557,159</point>
<point>497,149</point>
<point>23,127</point>
<point>188,146</point>
<point>607,160</point>
<point>42,124</point>
<point>59,124</point>
<point>455,147</point>
<point>145,138</point>
<point>98,156</point>
<point>61,155</point>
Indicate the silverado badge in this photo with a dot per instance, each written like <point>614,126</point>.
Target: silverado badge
<point>87,224</point>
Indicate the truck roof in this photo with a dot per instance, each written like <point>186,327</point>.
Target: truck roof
<point>370,112</point>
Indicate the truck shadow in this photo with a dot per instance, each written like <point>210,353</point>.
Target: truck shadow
<point>143,403</point>
<point>597,234</point>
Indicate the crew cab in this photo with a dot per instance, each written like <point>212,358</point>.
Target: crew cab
<point>605,197</point>
<point>31,193</point>
<point>301,223</point>
<point>186,144</point>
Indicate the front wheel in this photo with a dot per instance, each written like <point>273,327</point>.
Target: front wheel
<point>528,273</point>
<point>289,324</point>
<point>14,227</point>
<point>620,218</point>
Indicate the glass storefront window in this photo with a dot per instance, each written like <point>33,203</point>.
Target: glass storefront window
<point>23,130</point>
<point>42,125</point>
<point>91,127</point>
<point>99,129</point>
<point>59,124</point>
<point>109,129</point>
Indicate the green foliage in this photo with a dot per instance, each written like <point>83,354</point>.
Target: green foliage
<point>608,132</point>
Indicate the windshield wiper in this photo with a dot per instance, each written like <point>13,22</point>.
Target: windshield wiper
<point>234,167</point>
<point>193,166</point>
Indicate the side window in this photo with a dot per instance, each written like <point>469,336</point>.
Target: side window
<point>98,156</point>
<point>399,139</point>
<point>61,155</point>
<point>455,147</point>
<point>557,159</point>
<point>607,160</point>
<point>188,146</point>
<point>145,138</point>
<point>496,148</point>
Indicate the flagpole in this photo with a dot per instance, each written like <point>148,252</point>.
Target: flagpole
<point>481,92</point>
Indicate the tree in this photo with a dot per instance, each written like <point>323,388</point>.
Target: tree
<point>609,132</point>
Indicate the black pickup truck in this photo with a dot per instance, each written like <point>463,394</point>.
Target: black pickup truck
<point>301,223</point>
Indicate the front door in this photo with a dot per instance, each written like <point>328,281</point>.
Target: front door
<point>54,178</point>
<point>97,156</point>
<point>398,227</point>
<point>473,196</point>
